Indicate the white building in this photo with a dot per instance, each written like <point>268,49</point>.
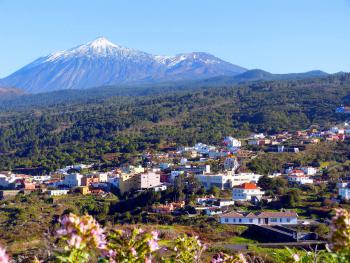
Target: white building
<point>226,180</point>
<point>57,192</point>
<point>259,218</point>
<point>103,177</point>
<point>231,164</point>
<point>232,142</point>
<point>183,161</point>
<point>241,178</point>
<point>7,179</point>
<point>203,148</point>
<point>4,180</point>
<point>222,181</point>
<point>72,180</point>
<point>299,177</point>
<point>344,190</point>
<point>247,192</point>
<point>309,170</point>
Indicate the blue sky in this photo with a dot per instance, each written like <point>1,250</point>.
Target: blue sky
<point>278,36</point>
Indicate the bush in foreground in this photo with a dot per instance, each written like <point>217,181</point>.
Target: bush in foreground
<point>84,240</point>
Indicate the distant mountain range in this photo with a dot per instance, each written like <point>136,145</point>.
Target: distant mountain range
<point>102,63</point>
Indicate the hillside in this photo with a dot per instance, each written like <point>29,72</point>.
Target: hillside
<point>47,137</point>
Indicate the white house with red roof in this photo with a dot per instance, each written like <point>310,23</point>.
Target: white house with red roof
<point>299,177</point>
<point>247,192</point>
<point>259,218</point>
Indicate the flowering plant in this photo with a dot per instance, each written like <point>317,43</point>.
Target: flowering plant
<point>339,249</point>
<point>188,249</point>
<point>4,258</point>
<point>340,231</point>
<point>84,238</point>
<point>225,258</point>
<point>135,246</point>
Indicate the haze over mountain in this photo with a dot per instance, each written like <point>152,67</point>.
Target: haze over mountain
<point>101,62</point>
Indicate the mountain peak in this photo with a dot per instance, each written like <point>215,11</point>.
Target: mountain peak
<point>101,62</point>
<point>101,42</point>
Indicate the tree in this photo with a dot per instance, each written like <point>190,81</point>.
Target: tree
<point>215,191</point>
<point>291,198</point>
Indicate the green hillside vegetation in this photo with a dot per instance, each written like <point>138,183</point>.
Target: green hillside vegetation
<point>45,137</point>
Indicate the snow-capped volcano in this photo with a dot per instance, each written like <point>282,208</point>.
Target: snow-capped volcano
<point>101,62</point>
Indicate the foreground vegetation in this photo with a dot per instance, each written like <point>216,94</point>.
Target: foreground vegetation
<point>82,239</point>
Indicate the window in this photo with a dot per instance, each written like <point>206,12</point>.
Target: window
<point>280,219</point>
<point>250,220</point>
<point>226,220</point>
<point>288,220</point>
<point>273,220</point>
<point>240,220</point>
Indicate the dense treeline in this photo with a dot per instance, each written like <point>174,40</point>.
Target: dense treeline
<point>48,137</point>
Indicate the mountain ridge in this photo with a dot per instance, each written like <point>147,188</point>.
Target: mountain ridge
<point>101,62</point>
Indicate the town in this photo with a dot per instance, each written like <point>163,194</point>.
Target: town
<point>218,182</point>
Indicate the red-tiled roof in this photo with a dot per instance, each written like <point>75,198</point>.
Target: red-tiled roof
<point>247,186</point>
<point>295,171</point>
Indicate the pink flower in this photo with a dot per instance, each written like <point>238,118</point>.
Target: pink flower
<point>148,260</point>
<point>3,256</point>
<point>75,241</point>
<point>153,245</point>
<point>133,252</point>
<point>154,235</point>
<point>242,258</point>
<point>296,257</point>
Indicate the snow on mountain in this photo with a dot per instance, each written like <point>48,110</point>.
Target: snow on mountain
<point>101,62</point>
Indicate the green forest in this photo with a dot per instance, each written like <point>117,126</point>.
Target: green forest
<point>113,127</point>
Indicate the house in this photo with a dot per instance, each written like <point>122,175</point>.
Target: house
<point>84,190</point>
<point>4,180</point>
<point>231,142</point>
<point>214,202</point>
<point>159,188</point>
<point>231,164</point>
<point>226,180</point>
<point>140,181</point>
<point>241,178</point>
<point>222,181</point>
<point>202,148</point>
<point>212,211</point>
<point>247,192</point>
<point>57,192</point>
<point>259,218</point>
<point>72,180</point>
<point>167,208</point>
<point>299,177</point>
<point>344,190</point>
<point>88,180</point>
<point>27,185</point>
<point>259,142</point>
<point>309,170</point>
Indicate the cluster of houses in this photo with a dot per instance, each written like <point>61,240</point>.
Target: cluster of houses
<point>160,170</point>
<point>295,142</point>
